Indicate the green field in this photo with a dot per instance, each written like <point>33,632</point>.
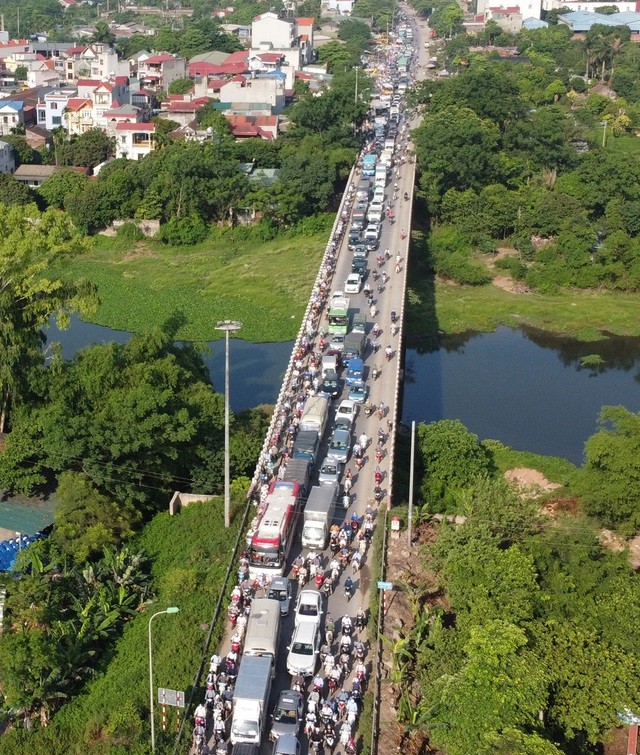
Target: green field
<point>265,285</point>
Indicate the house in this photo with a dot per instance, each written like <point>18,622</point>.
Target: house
<point>135,140</point>
<point>581,21</point>
<point>80,115</point>
<point>260,126</point>
<point>37,137</point>
<point>7,159</point>
<point>271,29</point>
<point>588,6</point>
<point>145,101</point>
<point>336,8</point>
<point>36,175</point>
<point>242,32</point>
<point>43,73</point>
<point>200,65</point>
<point>304,28</point>
<point>122,114</point>
<point>11,116</point>
<point>52,106</point>
<point>254,89</point>
<point>95,61</point>
<point>182,108</point>
<point>509,13</point>
<point>158,71</point>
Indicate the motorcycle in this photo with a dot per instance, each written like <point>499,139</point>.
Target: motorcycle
<point>368,410</point>
<point>388,352</point>
<point>375,373</point>
<point>377,494</point>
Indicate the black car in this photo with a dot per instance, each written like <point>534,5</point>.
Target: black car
<point>355,240</point>
<point>330,385</point>
<point>359,265</point>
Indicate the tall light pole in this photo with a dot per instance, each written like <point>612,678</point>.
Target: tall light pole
<point>228,326</point>
<point>171,609</point>
<point>413,455</point>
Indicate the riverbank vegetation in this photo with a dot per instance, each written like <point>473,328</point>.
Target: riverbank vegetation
<point>525,172</point>
<point>515,600</point>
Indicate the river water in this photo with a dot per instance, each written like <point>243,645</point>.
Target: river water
<point>525,388</point>
<point>522,387</point>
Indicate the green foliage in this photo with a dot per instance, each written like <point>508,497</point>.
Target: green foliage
<point>87,150</point>
<point>606,481</point>
<point>452,458</point>
<point>446,18</point>
<point>63,186</point>
<point>183,231</point>
<point>451,255</point>
<point>180,86</point>
<point>133,418</point>
<point>24,154</point>
<point>14,192</point>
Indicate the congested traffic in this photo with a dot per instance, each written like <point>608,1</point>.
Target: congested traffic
<point>297,659</point>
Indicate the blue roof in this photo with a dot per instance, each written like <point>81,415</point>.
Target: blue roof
<point>583,20</point>
<point>272,75</point>
<point>12,104</point>
<point>534,23</point>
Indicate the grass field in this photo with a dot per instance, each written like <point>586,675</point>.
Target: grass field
<point>264,285</point>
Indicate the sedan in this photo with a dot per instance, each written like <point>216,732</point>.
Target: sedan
<point>340,446</point>
<point>330,385</point>
<point>360,250</point>
<point>353,284</point>
<point>309,608</point>
<point>304,650</point>
<point>358,392</point>
<point>359,265</point>
<point>330,470</point>
<point>280,590</point>
<point>288,714</point>
<point>347,411</point>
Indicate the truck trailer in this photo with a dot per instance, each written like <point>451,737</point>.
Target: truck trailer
<point>318,516</point>
<point>251,699</point>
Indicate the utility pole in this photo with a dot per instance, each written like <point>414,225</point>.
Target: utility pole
<point>411,462</point>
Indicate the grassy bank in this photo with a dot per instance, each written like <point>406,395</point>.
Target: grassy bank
<point>265,284</point>
<point>189,553</point>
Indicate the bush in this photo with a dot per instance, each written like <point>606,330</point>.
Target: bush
<point>129,232</point>
<point>183,231</point>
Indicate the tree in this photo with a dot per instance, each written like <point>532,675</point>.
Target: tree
<point>60,185</point>
<point>335,55</point>
<point>31,244</point>
<point>24,153</point>
<point>612,463</point>
<point>86,521</point>
<point>21,73</point>
<point>501,685</point>
<point>446,18</point>
<point>88,149</point>
<point>133,419</point>
<point>14,192</point>
<point>181,86</point>
<point>453,458</point>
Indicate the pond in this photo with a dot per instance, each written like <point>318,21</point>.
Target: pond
<point>255,369</point>
<point>525,388</point>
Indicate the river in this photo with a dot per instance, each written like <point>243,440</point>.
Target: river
<point>525,388</point>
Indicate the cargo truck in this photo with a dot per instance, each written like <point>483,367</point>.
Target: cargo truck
<point>314,416</point>
<point>297,470</point>
<point>250,699</point>
<point>318,516</point>
<point>353,347</point>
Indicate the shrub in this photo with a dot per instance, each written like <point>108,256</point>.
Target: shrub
<point>183,231</point>
<point>129,232</point>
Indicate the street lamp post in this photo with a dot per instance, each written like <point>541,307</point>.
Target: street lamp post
<point>228,326</point>
<point>171,609</point>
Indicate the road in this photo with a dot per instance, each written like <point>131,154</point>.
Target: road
<point>394,237</point>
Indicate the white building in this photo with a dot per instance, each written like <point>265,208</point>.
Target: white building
<point>7,159</point>
<point>160,70</point>
<point>95,61</point>
<point>135,140</point>
<point>51,108</point>
<point>268,90</point>
<point>271,29</point>
<point>510,9</point>
<point>589,7</point>
<point>11,116</point>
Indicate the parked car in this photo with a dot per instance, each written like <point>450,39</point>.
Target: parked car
<point>309,608</point>
<point>347,411</point>
<point>340,445</point>
<point>353,284</point>
<point>358,392</point>
<point>330,470</point>
<point>280,590</point>
<point>304,650</point>
<point>288,714</point>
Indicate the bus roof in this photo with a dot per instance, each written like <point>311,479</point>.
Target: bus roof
<point>291,487</point>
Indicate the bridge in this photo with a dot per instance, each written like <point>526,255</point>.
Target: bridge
<point>305,363</point>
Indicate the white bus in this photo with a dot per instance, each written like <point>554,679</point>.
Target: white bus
<point>263,629</point>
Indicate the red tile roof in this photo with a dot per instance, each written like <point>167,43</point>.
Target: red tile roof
<point>266,120</point>
<point>228,69</point>
<point>75,103</point>
<point>268,57</point>
<point>215,84</point>
<point>150,127</point>
<point>88,82</point>
<point>156,59</point>
<point>305,21</point>
<point>240,56</point>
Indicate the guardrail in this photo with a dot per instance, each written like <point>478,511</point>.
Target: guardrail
<point>376,671</point>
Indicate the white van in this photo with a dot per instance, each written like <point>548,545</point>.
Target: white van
<point>315,414</point>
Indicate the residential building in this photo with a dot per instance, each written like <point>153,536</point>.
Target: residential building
<point>80,115</point>
<point>95,61</point>
<point>242,32</point>
<point>268,89</point>
<point>36,175</point>
<point>11,116</point>
<point>509,13</point>
<point>182,108</point>
<point>581,21</point>
<point>43,73</point>
<point>122,114</point>
<point>7,158</point>
<point>587,6</point>
<point>337,8</point>
<point>37,137</point>
<point>52,106</point>
<point>260,126</point>
<point>158,71</point>
<point>200,65</point>
<point>135,140</point>
<point>270,28</point>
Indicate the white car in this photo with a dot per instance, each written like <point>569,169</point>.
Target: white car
<point>309,608</point>
<point>347,411</point>
<point>304,650</point>
<point>353,284</point>
<point>371,234</point>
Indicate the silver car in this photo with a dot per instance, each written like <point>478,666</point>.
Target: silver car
<point>280,590</point>
<point>304,650</point>
<point>340,446</point>
<point>288,714</point>
<point>330,471</point>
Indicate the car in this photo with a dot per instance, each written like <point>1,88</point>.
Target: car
<point>340,446</point>
<point>336,344</point>
<point>355,373</point>
<point>330,385</point>
<point>309,608</point>
<point>330,470</point>
<point>304,649</point>
<point>359,323</point>
<point>287,744</point>
<point>360,251</point>
<point>347,412</point>
<point>357,225</point>
<point>354,240</point>
<point>375,218</point>
<point>342,424</point>
<point>371,234</point>
<point>336,296</point>
<point>359,265</point>
<point>353,284</point>
<point>358,392</point>
<point>287,715</point>
<point>377,203</point>
<point>280,590</point>
<point>361,204</point>
<point>373,245</point>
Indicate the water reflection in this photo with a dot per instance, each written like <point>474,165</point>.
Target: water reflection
<point>525,388</point>
<point>256,369</point>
